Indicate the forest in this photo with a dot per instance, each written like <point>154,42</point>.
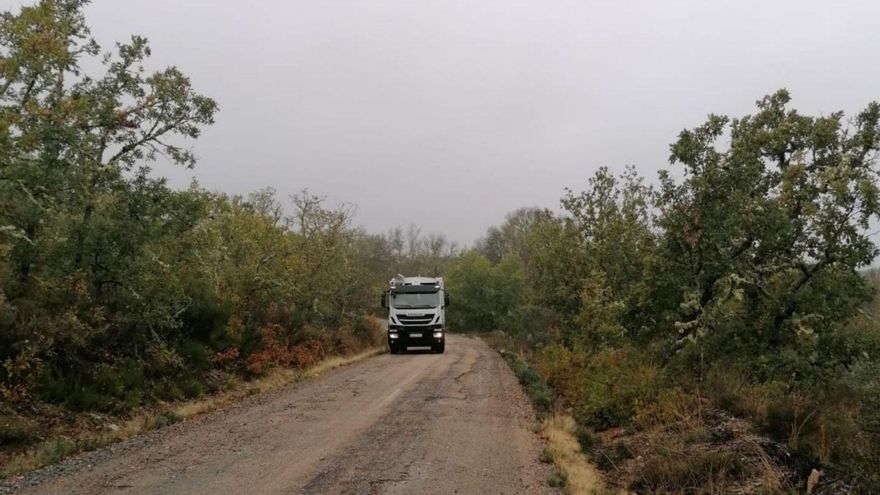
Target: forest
<point>736,285</point>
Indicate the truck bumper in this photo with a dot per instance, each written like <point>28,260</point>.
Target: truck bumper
<point>401,338</point>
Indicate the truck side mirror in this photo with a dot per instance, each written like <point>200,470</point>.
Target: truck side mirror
<point>445,298</point>
<point>383,300</point>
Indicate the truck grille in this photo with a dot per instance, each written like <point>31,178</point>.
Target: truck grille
<point>415,320</point>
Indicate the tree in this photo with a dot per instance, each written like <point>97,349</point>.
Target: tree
<point>511,237</point>
<point>765,236</point>
<point>67,138</point>
<point>81,218</point>
<point>485,294</point>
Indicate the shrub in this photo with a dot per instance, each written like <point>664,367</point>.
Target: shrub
<point>541,395</point>
<point>165,419</point>
<point>734,392</point>
<point>54,450</point>
<point>670,406</point>
<point>612,385</point>
<point>562,367</point>
<point>586,439</point>
<point>689,471</point>
<point>485,294</point>
<point>106,387</point>
<point>863,456</point>
<point>833,423</point>
<point>557,479</point>
<point>16,429</point>
<point>272,350</point>
<point>305,354</point>
<point>367,330</point>
<point>531,324</point>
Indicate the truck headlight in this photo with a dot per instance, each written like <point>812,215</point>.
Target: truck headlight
<point>392,335</point>
<point>438,334</point>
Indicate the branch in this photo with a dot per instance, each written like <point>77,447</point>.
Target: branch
<point>27,192</point>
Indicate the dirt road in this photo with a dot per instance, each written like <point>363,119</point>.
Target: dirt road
<point>415,423</point>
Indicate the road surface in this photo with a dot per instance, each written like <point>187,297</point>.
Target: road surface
<point>415,423</point>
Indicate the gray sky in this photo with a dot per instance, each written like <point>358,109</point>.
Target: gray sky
<point>451,113</point>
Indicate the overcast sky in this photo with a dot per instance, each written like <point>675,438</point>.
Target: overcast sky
<point>450,113</point>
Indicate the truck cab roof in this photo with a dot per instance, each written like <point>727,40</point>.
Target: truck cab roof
<point>401,281</point>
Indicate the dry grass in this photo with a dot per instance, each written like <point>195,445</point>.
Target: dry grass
<point>59,446</point>
<point>274,380</point>
<point>334,362</point>
<point>699,451</point>
<point>581,476</point>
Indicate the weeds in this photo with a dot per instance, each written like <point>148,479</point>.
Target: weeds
<point>564,452</point>
<point>557,479</point>
<point>164,419</point>
<point>541,395</point>
<point>691,471</point>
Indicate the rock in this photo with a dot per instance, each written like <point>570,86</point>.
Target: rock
<point>812,481</point>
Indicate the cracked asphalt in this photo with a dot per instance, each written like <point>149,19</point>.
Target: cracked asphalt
<point>414,423</point>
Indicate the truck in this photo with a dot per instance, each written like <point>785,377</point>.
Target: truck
<point>416,313</point>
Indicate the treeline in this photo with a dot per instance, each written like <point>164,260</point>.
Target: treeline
<point>116,290</point>
<point>736,284</point>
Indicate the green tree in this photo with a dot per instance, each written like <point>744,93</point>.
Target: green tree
<point>79,211</point>
<point>67,138</point>
<point>765,236</point>
<point>512,236</point>
<point>485,295</point>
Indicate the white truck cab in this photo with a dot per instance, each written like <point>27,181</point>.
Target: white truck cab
<point>416,313</point>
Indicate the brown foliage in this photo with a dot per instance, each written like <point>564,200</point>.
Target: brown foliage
<point>275,351</point>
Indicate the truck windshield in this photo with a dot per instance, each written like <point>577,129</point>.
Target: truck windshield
<point>414,300</point>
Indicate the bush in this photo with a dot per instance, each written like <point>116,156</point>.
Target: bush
<point>542,396</point>
<point>688,471</point>
<point>672,405</point>
<point>557,479</point>
<point>164,419</point>
<point>863,456</point>
<point>834,424</point>
<point>105,388</point>
<point>485,295</point>
<point>367,330</point>
<point>16,429</point>
<point>734,392</point>
<point>305,355</point>
<point>586,439</point>
<point>605,388</point>
<point>530,324</point>
<point>275,351</point>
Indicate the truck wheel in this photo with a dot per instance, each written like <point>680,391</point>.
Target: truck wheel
<point>439,348</point>
<point>393,349</point>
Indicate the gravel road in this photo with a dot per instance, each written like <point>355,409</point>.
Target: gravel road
<point>414,423</point>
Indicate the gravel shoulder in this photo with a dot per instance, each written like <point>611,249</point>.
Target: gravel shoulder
<point>416,423</point>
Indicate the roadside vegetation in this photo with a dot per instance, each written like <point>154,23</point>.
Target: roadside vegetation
<point>717,332</point>
<point>118,293</point>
